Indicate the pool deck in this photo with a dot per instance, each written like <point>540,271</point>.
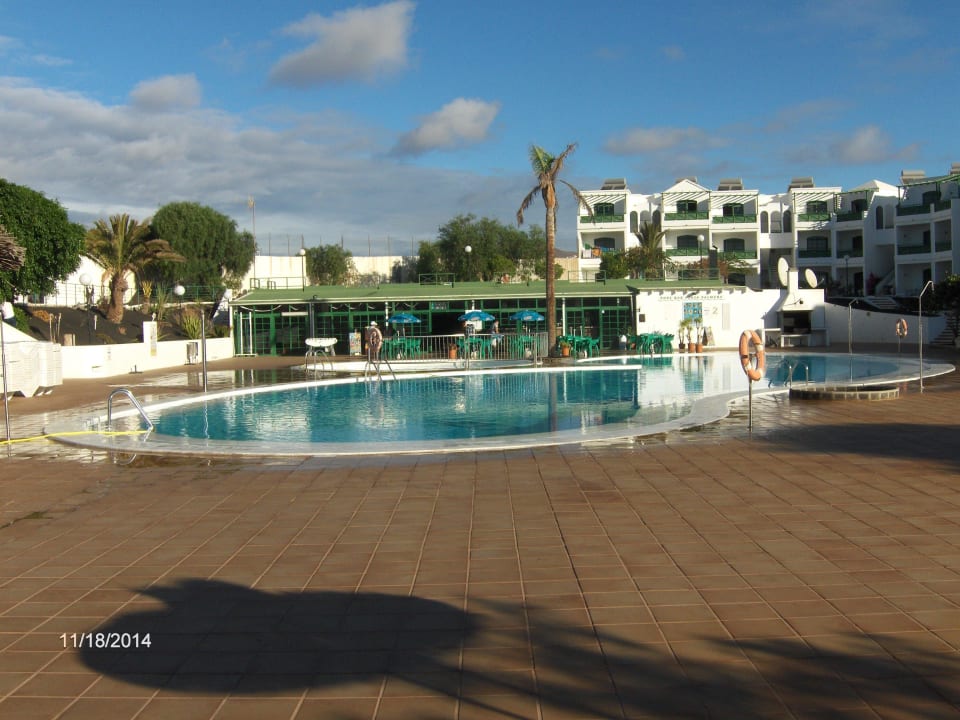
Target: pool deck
<point>809,568</point>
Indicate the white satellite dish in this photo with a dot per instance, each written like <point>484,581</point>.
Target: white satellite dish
<point>782,268</point>
<point>811,277</point>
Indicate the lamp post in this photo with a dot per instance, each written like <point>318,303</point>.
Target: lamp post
<point>303,267</point>
<point>468,250</point>
<point>87,283</point>
<point>920,326</point>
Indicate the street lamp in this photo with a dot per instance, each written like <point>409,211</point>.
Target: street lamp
<point>920,326</point>
<point>468,249</point>
<point>303,267</point>
<point>179,291</point>
<point>700,240</point>
<point>87,283</point>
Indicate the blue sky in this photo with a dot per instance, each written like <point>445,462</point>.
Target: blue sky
<point>378,122</point>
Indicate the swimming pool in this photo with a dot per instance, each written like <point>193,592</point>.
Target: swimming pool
<point>603,398</point>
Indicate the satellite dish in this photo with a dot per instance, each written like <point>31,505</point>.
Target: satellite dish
<point>782,268</point>
<point>811,277</point>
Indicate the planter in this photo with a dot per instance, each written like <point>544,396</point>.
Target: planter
<point>565,351</point>
<point>452,352</point>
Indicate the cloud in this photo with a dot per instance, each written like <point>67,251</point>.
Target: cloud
<point>674,52</point>
<point>863,146</point>
<point>460,122</point>
<point>50,60</point>
<point>355,44</point>
<point>645,140</point>
<point>171,92</point>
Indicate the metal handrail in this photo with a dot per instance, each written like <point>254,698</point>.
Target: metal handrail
<point>136,404</point>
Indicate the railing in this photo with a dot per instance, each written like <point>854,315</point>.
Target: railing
<point>480,346</point>
<point>436,279</point>
<point>812,217</point>
<point>728,219</point>
<point>814,253</point>
<point>276,283</point>
<point>942,205</point>
<point>849,216</point>
<point>912,209</point>
<point>943,245</point>
<point>913,249</point>
<point>849,253</point>
<point>136,404</point>
<point>737,254</point>
<point>685,216</point>
<point>685,252</point>
<point>595,219</point>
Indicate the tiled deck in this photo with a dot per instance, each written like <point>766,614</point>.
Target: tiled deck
<point>809,569</point>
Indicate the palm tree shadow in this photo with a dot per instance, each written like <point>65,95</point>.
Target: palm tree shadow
<point>208,635</point>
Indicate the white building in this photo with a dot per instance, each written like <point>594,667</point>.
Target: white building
<point>875,239</point>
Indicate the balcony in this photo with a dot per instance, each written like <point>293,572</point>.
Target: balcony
<point>737,255</point>
<point>912,209</point>
<point>685,252</point>
<point>685,216</point>
<point>943,246</point>
<point>913,249</point>
<point>813,217</point>
<point>814,253</point>
<point>729,219</point>
<point>849,253</point>
<point>600,219</point>
<point>850,216</point>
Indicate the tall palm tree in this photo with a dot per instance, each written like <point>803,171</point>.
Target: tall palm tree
<point>547,169</point>
<point>122,246</point>
<point>650,254</point>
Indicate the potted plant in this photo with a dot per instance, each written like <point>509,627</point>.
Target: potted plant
<point>697,338</point>
<point>683,333</point>
<point>564,348</point>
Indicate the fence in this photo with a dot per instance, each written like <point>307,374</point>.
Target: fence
<point>482,346</point>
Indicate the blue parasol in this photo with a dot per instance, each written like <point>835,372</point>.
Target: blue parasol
<point>403,319</point>
<point>527,316</point>
<point>474,315</point>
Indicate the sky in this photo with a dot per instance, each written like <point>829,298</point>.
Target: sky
<point>373,124</point>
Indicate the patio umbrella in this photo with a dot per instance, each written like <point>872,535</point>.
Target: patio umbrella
<point>527,316</point>
<point>403,319</point>
<point>474,315</point>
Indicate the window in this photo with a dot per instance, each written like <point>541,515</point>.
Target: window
<point>733,210</point>
<point>879,218</point>
<point>603,209</point>
<point>857,243</point>
<point>733,245</point>
<point>764,222</point>
<point>634,225</point>
<point>859,205</point>
<point>775,225</point>
<point>817,207</point>
<point>688,242</point>
<point>605,244</point>
<point>930,197</point>
<point>686,206</point>
<point>787,221</point>
<point>817,243</point>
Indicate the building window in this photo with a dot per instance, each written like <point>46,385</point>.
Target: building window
<point>859,205</point>
<point>817,207</point>
<point>764,222</point>
<point>930,197</point>
<point>817,243</point>
<point>634,225</point>
<point>857,243</point>
<point>879,217</point>
<point>688,242</point>
<point>733,210</point>
<point>645,216</point>
<point>734,245</point>
<point>787,221</point>
<point>603,209</point>
<point>775,225</point>
<point>605,244</point>
<point>686,206</point>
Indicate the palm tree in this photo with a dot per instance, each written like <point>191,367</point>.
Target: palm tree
<point>547,169</point>
<point>11,252</point>
<point>650,254</point>
<point>122,246</point>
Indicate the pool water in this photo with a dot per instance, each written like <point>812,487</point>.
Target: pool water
<point>596,399</point>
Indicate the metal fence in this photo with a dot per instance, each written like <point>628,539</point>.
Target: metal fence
<point>481,346</point>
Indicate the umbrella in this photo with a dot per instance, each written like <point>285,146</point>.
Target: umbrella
<point>527,316</point>
<point>403,319</point>
<point>474,315</point>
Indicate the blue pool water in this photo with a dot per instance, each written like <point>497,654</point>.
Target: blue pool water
<point>597,399</point>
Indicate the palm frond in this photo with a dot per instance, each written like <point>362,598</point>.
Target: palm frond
<point>527,202</point>
<point>12,253</point>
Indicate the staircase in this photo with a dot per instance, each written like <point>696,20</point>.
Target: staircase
<point>883,302</point>
<point>944,339</point>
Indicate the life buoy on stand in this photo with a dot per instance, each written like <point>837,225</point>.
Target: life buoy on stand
<point>901,328</point>
<point>754,371</point>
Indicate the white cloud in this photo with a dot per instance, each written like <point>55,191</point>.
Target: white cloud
<point>355,44</point>
<point>645,140</point>
<point>50,60</point>
<point>460,122</point>
<point>171,92</point>
<point>868,144</point>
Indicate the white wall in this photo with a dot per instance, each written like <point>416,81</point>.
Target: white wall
<point>874,327</point>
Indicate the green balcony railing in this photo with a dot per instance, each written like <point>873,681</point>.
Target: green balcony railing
<point>684,252</point>
<point>597,219</point>
<point>726,219</point>
<point>913,249</point>
<point>849,216</point>
<point>942,205</point>
<point>912,209</point>
<point>812,217</point>
<point>852,252</point>
<point>815,253</point>
<point>943,245</point>
<point>737,255</point>
<point>685,216</point>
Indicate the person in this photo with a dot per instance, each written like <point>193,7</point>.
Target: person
<point>495,335</point>
<point>374,340</point>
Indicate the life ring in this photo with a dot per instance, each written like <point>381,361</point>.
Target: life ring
<point>901,328</point>
<point>754,371</point>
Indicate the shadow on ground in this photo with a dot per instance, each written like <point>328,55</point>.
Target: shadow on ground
<point>218,637</point>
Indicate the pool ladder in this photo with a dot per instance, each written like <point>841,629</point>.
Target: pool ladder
<point>136,404</point>
<point>794,367</point>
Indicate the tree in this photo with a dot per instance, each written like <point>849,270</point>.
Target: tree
<point>329,264</point>
<point>649,254</point>
<point>122,246</point>
<point>215,253</point>
<point>52,244</point>
<point>547,169</point>
<point>12,253</point>
<point>615,264</point>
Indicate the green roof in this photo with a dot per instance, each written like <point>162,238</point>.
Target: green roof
<point>459,291</point>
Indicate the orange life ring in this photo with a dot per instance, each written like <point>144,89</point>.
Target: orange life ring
<point>753,371</point>
<point>901,328</point>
